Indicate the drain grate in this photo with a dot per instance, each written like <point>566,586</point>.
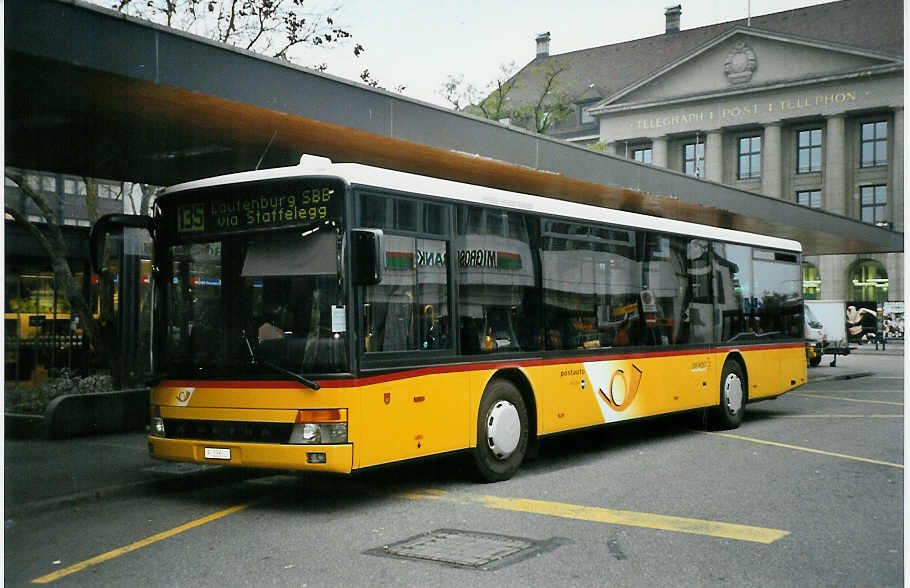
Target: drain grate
<point>465,548</point>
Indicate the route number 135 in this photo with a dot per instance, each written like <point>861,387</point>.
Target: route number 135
<point>191,218</point>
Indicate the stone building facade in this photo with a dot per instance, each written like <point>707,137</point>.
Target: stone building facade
<point>808,121</point>
<point>804,105</point>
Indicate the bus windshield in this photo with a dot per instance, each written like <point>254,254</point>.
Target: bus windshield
<point>239,303</point>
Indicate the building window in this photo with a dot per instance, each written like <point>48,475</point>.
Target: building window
<point>694,159</point>
<point>868,282</point>
<point>749,158</point>
<point>809,151</point>
<point>107,191</point>
<point>873,200</point>
<point>585,115</point>
<point>49,183</point>
<point>812,282</point>
<point>73,186</point>
<point>642,155</point>
<point>810,198</point>
<point>874,144</point>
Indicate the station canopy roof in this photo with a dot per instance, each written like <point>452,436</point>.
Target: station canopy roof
<point>91,92</point>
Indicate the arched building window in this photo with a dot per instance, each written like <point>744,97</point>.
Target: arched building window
<point>868,281</point>
<point>812,282</point>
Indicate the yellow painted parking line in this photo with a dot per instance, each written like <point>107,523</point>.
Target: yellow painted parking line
<point>806,449</point>
<point>846,399</point>
<point>137,545</point>
<point>608,516</point>
<point>834,416</point>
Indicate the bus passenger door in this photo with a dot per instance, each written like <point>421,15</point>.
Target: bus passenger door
<point>701,318</point>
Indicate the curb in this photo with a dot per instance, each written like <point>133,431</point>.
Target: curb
<point>23,426</point>
<point>177,483</point>
<point>71,415</point>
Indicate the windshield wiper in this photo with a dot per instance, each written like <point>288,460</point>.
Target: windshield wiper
<point>254,361</point>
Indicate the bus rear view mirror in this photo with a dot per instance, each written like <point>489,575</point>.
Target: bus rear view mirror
<point>368,256</point>
<point>111,223</point>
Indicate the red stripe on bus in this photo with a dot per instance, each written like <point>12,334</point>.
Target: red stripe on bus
<point>456,368</point>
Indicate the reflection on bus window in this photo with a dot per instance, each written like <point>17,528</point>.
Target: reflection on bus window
<point>733,291</point>
<point>497,300</point>
<point>591,279</point>
<point>408,310</point>
<point>285,286</point>
<point>759,293</point>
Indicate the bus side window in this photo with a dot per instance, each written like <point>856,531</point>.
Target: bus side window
<point>408,310</point>
<point>497,291</point>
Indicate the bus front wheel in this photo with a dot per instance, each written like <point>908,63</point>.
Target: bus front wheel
<point>502,431</point>
<point>729,414</point>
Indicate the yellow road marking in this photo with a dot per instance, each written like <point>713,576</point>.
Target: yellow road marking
<point>608,516</point>
<point>806,449</point>
<point>846,399</point>
<point>834,416</point>
<point>137,545</point>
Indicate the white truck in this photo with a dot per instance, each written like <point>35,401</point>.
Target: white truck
<point>826,331</point>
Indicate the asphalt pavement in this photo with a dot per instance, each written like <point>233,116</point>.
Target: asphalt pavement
<point>41,474</point>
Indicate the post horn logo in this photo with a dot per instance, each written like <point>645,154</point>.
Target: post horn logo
<point>623,388</point>
<point>184,395</point>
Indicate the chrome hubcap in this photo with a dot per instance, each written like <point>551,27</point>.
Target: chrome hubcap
<point>503,429</point>
<point>733,393</point>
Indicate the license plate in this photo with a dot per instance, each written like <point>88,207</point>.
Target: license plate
<point>217,453</point>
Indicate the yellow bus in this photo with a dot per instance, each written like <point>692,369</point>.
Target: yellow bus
<point>335,317</point>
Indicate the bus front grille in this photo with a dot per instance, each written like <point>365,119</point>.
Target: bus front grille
<point>238,431</point>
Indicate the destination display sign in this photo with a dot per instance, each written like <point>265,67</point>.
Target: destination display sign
<point>251,206</point>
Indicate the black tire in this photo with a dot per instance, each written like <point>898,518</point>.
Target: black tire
<point>733,393</point>
<point>500,448</point>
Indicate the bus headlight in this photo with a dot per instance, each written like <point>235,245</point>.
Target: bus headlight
<point>156,423</point>
<point>320,427</point>
<point>319,433</point>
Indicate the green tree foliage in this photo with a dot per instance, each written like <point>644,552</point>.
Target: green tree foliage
<point>533,98</point>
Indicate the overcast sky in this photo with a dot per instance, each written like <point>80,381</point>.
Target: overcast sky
<point>418,43</point>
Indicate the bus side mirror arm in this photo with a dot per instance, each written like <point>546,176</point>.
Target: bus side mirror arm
<point>368,256</point>
<point>108,224</point>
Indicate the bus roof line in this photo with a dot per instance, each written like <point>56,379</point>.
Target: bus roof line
<point>381,178</point>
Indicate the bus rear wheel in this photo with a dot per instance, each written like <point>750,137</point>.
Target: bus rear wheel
<point>502,431</point>
<point>729,414</point>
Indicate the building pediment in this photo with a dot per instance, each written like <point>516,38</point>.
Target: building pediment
<point>743,59</point>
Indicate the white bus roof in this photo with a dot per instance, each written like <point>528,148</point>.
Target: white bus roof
<point>357,174</point>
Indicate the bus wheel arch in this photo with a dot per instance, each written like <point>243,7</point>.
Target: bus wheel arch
<point>734,394</point>
<point>506,425</point>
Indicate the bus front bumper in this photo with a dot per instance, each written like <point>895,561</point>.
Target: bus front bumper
<point>322,458</point>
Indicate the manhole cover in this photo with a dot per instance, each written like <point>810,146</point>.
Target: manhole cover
<point>465,548</point>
